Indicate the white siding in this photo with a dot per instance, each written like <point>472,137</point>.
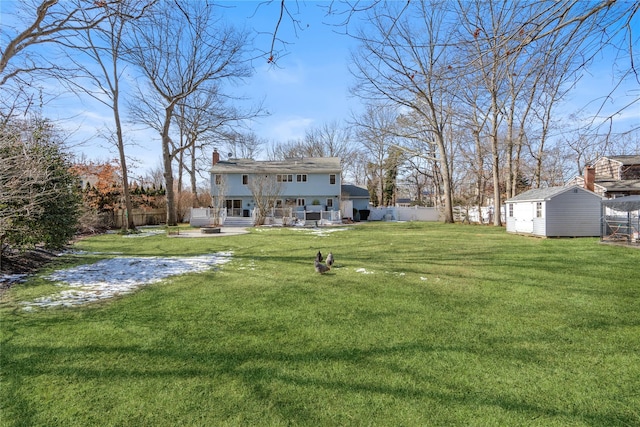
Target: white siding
<point>522,220</point>
<point>571,213</point>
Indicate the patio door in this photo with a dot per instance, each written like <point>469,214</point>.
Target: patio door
<point>234,207</point>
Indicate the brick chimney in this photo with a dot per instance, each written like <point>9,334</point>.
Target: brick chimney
<point>216,157</point>
<point>589,177</point>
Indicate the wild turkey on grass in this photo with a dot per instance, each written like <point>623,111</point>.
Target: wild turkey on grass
<point>330,260</point>
<point>321,268</point>
<point>319,257</point>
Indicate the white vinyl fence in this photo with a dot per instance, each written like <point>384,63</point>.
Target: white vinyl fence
<point>472,215</point>
<point>414,213</point>
<point>205,217</point>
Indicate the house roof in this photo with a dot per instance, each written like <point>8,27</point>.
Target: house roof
<point>295,165</point>
<point>355,192</point>
<point>626,160</point>
<point>625,185</point>
<point>540,194</point>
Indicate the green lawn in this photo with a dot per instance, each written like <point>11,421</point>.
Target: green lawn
<point>419,324</point>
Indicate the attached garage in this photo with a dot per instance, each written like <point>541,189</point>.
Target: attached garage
<point>555,212</point>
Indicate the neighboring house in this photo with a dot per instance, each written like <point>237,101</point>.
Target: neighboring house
<point>612,176</point>
<point>569,211</point>
<point>403,202</point>
<point>305,184</point>
<point>104,176</point>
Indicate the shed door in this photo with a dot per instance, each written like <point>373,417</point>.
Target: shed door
<point>524,217</point>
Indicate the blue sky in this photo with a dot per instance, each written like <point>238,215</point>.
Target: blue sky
<point>308,85</point>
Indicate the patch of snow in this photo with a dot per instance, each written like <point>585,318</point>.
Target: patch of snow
<point>363,271</point>
<point>317,231</point>
<point>321,231</point>
<point>12,278</point>
<point>145,233</point>
<point>118,276</point>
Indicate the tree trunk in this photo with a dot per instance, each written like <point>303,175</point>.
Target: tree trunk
<point>192,176</point>
<point>446,180</point>
<point>167,159</point>
<point>495,153</point>
<point>129,224</point>
<point>480,174</point>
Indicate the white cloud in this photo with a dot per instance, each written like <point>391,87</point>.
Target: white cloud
<point>292,75</point>
<point>290,128</point>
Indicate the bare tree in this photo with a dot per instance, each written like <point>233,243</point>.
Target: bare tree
<point>419,179</point>
<point>287,150</point>
<point>526,56</point>
<point>327,140</point>
<point>375,129</point>
<point>265,190</point>
<point>472,120</point>
<point>181,48</point>
<point>38,23</point>
<point>422,153</point>
<point>97,54</point>
<point>333,140</point>
<point>204,119</point>
<point>218,196</point>
<point>242,145</point>
<point>405,61</point>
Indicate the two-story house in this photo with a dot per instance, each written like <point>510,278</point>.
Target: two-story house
<point>612,176</point>
<point>304,185</point>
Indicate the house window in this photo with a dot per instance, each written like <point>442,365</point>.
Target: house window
<point>301,178</point>
<point>332,179</point>
<point>245,179</point>
<point>284,178</point>
<point>300,202</point>
<point>218,179</point>
<point>510,210</point>
<point>538,209</point>
<point>329,203</point>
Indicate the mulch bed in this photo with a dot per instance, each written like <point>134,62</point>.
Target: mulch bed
<point>28,262</point>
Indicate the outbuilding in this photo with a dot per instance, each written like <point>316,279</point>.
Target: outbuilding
<point>354,199</point>
<point>555,212</point>
<point>621,219</point>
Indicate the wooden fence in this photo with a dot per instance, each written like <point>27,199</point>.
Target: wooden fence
<point>141,217</point>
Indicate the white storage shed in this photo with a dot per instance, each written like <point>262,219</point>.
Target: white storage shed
<point>555,212</point>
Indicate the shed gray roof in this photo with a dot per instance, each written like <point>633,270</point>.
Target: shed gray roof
<point>540,194</point>
<point>295,165</point>
<point>355,192</point>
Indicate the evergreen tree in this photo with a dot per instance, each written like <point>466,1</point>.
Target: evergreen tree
<point>40,197</point>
